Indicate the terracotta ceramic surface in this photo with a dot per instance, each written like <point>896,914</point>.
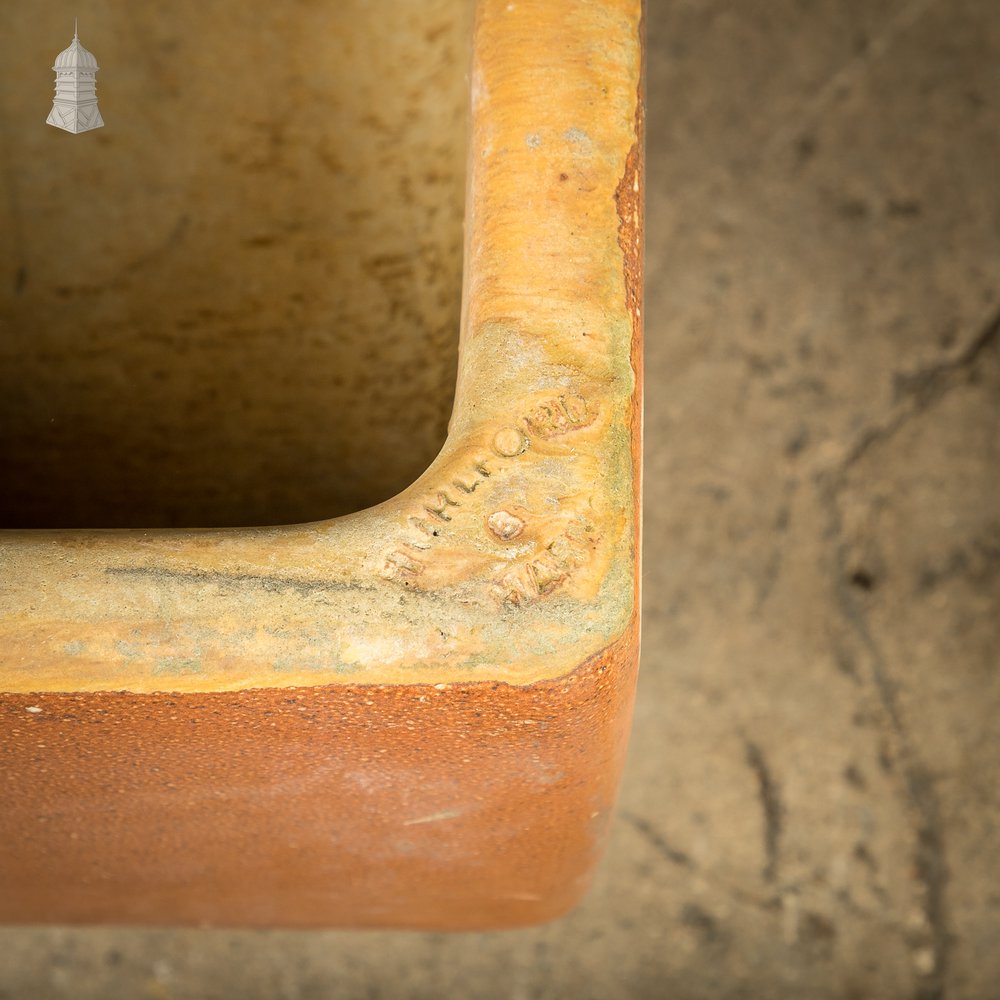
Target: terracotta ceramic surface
<point>414,715</point>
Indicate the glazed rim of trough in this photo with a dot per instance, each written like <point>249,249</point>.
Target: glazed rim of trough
<point>514,557</point>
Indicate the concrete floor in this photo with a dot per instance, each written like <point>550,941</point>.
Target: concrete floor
<point>812,798</point>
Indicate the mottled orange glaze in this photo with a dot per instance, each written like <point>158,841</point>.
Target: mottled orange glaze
<point>414,716</point>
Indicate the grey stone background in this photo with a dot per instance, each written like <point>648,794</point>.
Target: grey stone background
<point>810,807</point>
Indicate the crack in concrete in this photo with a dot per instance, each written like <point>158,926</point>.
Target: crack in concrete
<point>659,843</point>
<point>651,834</point>
<point>843,79</point>
<point>772,568</point>
<point>919,391</point>
<point>929,860</point>
<point>771,806</point>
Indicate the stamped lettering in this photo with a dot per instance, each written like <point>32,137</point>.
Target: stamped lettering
<point>400,564</point>
<point>531,578</point>
<point>558,416</point>
<point>439,506</point>
<point>537,577</point>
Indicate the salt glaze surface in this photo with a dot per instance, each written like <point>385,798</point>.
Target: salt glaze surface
<point>434,692</point>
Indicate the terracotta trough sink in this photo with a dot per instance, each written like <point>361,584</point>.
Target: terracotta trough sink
<point>238,304</point>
